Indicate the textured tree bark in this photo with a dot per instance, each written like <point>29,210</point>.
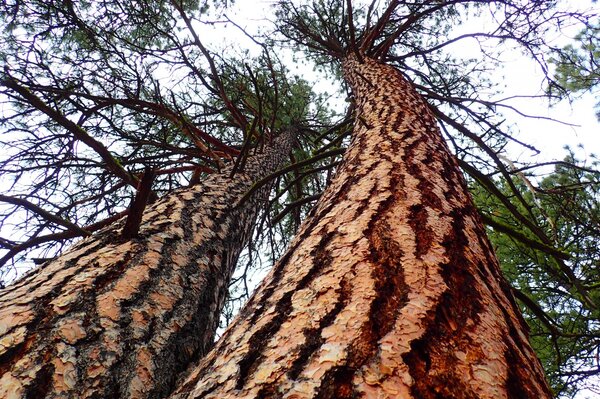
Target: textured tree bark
<point>120,318</point>
<point>391,288</point>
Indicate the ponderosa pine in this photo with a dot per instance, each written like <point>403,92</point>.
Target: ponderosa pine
<point>390,289</point>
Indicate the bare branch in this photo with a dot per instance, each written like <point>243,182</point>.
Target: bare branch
<point>45,214</point>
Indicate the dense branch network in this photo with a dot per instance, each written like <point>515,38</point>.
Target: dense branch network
<point>89,106</point>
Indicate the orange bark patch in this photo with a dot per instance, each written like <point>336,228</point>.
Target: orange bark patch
<point>71,330</point>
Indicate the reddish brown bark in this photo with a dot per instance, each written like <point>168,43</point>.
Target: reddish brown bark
<point>390,289</point>
<point>116,317</point>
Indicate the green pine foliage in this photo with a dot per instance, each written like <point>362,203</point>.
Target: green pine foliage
<point>577,67</point>
<point>564,326</point>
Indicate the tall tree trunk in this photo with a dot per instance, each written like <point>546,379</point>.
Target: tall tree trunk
<point>120,318</point>
<point>391,288</point>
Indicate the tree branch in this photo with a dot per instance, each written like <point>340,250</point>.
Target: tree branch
<point>111,163</point>
<point>508,230</point>
<point>45,214</point>
<point>136,209</point>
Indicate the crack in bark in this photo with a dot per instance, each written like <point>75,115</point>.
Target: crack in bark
<point>313,338</point>
<point>447,324</point>
<point>256,342</point>
<point>516,374</point>
<point>42,382</point>
<point>337,384</point>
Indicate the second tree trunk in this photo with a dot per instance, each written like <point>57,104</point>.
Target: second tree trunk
<point>121,318</point>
